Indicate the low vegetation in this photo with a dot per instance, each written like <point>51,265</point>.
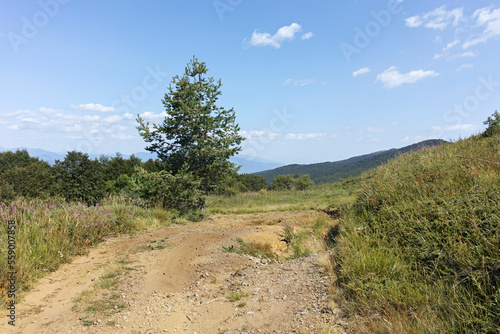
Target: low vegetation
<point>48,234</point>
<point>419,250</point>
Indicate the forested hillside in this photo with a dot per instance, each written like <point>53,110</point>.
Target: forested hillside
<point>334,171</point>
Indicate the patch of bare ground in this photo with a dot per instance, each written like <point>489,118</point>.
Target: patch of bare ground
<point>177,280</point>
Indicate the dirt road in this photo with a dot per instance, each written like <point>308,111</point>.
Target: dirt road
<point>177,280</point>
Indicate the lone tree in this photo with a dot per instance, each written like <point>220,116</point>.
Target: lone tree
<point>196,137</point>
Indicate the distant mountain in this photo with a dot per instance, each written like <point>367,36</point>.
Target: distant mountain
<point>335,171</point>
<point>251,165</point>
<point>248,165</point>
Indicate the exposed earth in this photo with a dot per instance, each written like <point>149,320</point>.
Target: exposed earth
<point>178,279</point>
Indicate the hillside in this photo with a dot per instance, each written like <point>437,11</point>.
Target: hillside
<point>419,249</point>
<point>334,171</point>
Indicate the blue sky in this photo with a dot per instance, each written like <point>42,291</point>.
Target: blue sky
<point>310,81</point>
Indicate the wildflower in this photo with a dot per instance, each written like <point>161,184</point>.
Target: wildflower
<point>13,208</point>
<point>52,206</point>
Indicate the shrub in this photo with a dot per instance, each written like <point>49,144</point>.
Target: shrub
<point>181,192</point>
<point>291,182</point>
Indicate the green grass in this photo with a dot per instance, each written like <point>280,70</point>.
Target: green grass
<point>317,197</point>
<point>419,250</point>
<point>250,248</point>
<point>237,295</point>
<point>50,233</point>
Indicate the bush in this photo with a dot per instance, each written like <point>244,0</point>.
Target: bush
<point>291,182</point>
<point>181,192</point>
<point>253,182</point>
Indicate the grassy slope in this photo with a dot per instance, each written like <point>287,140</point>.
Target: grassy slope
<point>419,251</point>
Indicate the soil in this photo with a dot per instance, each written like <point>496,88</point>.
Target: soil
<point>177,279</point>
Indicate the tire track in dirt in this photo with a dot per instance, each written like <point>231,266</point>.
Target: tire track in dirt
<point>183,288</point>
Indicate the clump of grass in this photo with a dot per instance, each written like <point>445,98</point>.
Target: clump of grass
<point>103,299</point>
<point>262,250</point>
<point>237,295</point>
<point>419,249</point>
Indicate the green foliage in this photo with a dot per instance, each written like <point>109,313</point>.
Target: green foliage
<point>493,123</point>
<point>420,248</point>
<point>291,182</point>
<point>79,178</point>
<point>196,136</point>
<point>180,192</point>
<point>253,182</point>
<point>24,176</point>
<point>250,248</point>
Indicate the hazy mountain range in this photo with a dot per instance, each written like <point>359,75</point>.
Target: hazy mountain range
<point>319,172</point>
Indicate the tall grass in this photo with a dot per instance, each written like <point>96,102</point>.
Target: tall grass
<point>50,233</point>
<point>419,251</point>
<point>317,197</point>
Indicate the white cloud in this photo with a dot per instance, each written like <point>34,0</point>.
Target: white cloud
<point>261,135</point>
<point>122,136</point>
<point>305,136</point>
<point>112,119</point>
<point>151,116</point>
<point>13,127</point>
<point>458,127</point>
<point>91,118</point>
<point>439,18</point>
<point>467,54</point>
<point>299,82</point>
<point>361,71</point>
<point>490,19</point>
<point>416,139</point>
<point>464,67</point>
<point>92,107</point>
<point>445,50</point>
<point>128,116</point>
<point>283,34</point>
<point>391,77</point>
<point>307,35</point>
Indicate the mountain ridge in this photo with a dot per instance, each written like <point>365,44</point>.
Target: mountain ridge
<point>332,171</point>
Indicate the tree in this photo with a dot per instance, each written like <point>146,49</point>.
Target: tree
<point>291,182</point>
<point>493,123</point>
<point>196,135</point>
<point>79,178</point>
<point>253,182</point>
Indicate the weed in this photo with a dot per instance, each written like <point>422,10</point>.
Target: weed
<point>237,295</point>
<point>250,248</point>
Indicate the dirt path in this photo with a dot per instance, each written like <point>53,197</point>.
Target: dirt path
<point>177,280</point>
